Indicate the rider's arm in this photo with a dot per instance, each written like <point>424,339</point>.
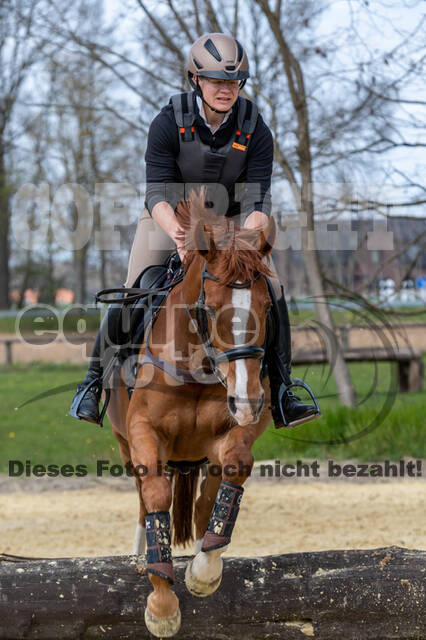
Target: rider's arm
<point>161,174</point>
<point>160,157</point>
<point>165,217</point>
<point>256,201</point>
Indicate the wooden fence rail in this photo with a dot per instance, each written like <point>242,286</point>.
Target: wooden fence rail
<point>409,361</point>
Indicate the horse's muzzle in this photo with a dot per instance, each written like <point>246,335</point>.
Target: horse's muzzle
<point>246,410</point>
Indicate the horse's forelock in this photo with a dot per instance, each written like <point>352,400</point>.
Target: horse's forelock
<point>238,256</point>
<point>240,265</point>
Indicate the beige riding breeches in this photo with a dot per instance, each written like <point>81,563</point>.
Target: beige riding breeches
<point>152,245</point>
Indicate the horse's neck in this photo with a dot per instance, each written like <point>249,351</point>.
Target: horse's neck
<point>172,327</point>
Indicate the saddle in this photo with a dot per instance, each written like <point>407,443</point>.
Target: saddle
<point>154,284</point>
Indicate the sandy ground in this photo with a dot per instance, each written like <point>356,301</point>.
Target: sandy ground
<point>275,517</point>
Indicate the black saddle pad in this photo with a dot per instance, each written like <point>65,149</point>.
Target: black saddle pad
<point>143,312</point>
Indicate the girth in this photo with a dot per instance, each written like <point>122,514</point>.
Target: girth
<point>186,466</point>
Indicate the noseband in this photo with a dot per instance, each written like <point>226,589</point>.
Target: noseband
<point>201,328</point>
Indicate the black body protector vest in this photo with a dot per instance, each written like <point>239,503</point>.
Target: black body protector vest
<point>218,169</point>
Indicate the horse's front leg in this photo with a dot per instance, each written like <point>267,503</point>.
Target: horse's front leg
<point>204,572</point>
<point>162,613</point>
<point>139,544</point>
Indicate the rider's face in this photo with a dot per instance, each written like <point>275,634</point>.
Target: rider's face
<point>220,94</point>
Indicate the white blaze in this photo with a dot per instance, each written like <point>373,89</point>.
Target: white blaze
<point>241,301</point>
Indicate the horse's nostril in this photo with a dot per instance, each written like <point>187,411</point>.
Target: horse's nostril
<point>231,404</point>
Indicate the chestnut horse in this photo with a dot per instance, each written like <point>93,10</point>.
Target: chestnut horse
<point>181,410</point>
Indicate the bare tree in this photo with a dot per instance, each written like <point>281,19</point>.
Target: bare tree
<point>90,141</point>
<point>20,52</point>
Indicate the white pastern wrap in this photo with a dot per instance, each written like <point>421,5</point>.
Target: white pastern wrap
<point>197,546</point>
<point>139,541</point>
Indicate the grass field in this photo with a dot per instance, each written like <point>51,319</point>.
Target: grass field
<point>386,425</point>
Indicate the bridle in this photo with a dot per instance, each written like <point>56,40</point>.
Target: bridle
<point>201,328</point>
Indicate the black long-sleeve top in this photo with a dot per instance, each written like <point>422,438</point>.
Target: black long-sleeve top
<point>163,149</point>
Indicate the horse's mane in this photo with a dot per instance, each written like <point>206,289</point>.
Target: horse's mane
<point>239,257</point>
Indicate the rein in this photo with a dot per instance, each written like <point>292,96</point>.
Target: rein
<point>200,326</point>
<point>133,294</point>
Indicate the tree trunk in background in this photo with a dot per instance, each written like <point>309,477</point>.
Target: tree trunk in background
<point>303,191</point>
<point>80,275</point>
<point>25,279</point>
<point>4,234</point>
<point>340,369</point>
<point>103,272</point>
<point>50,274</point>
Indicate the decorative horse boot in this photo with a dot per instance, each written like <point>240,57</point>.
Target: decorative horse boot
<point>204,573</point>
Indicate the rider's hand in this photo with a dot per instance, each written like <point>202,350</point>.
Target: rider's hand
<point>256,220</point>
<point>165,217</point>
<point>179,238</point>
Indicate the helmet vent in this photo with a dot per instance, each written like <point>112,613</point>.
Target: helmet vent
<point>240,51</point>
<point>209,45</point>
<point>230,67</point>
<point>197,64</point>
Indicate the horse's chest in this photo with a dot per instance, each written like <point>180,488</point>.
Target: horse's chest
<point>190,413</point>
<point>170,416</point>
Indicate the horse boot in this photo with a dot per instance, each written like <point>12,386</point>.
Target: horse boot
<point>287,409</point>
<point>85,404</point>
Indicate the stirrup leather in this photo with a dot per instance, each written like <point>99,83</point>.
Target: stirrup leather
<point>82,391</point>
<point>296,382</point>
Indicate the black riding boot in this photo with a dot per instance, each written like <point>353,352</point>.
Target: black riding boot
<point>85,405</point>
<point>287,409</point>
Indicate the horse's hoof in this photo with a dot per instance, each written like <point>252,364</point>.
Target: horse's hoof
<point>197,587</point>
<point>162,627</point>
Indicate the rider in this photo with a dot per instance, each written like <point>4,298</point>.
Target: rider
<point>215,137</point>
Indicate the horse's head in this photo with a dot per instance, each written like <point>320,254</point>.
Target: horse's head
<point>232,310</point>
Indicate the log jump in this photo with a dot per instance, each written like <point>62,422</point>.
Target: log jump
<point>326,595</point>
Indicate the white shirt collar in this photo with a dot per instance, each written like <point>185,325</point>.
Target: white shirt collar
<point>200,104</point>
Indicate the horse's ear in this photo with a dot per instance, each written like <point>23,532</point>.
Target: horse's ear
<point>267,237</point>
<point>203,241</point>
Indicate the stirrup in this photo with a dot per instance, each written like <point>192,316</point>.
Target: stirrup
<point>297,382</point>
<point>81,394</point>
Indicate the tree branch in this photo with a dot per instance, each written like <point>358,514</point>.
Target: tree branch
<point>212,17</point>
<point>180,21</point>
<point>393,257</point>
<point>167,41</point>
<point>407,274</point>
<point>360,299</point>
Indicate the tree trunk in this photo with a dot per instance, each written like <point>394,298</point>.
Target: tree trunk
<point>25,278</point>
<point>303,193</point>
<point>80,271</point>
<point>4,234</point>
<point>336,358</point>
<point>328,595</point>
